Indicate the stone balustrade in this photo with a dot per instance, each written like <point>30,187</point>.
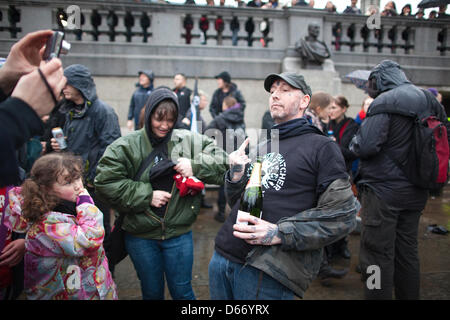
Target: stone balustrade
<point>117,38</point>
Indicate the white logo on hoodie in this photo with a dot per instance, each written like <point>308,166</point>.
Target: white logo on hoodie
<point>273,171</point>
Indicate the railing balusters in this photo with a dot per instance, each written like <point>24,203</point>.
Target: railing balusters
<point>219,26</point>
<point>237,27</point>
<point>442,40</point>
<point>234,27</point>
<point>14,19</point>
<point>250,28</point>
<point>392,35</point>
<point>129,24</point>
<point>145,23</point>
<point>112,21</point>
<point>96,21</point>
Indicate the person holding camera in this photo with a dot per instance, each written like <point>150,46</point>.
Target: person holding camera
<point>28,87</point>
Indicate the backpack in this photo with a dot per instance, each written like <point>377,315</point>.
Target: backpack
<point>427,167</point>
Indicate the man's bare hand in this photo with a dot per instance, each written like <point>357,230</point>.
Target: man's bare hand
<point>260,233</point>
<point>238,159</point>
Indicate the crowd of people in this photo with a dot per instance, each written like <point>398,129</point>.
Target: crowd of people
<point>389,10</point>
<point>55,233</point>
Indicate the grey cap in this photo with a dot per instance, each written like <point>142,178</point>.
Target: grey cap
<point>294,79</point>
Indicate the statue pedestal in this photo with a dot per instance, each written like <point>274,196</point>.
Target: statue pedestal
<point>319,77</point>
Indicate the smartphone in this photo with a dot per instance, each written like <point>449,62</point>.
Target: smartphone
<point>55,46</point>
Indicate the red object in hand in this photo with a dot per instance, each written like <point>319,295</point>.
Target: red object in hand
<point>189,185</point>
<point>194,185</point>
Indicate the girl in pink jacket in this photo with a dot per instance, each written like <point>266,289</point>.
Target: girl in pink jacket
<point>64,257</point>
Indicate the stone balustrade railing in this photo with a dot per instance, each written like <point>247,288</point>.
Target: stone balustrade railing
<point>116,38</point>
<point>229,38</point>
<point>127,21</point>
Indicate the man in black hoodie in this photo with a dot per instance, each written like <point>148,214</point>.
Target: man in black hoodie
<point>391,204</point>
<point>278,255</point>
<point>225,88</point>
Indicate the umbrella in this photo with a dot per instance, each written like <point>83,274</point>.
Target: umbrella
<point>359,78</point>
<point>432,3</point>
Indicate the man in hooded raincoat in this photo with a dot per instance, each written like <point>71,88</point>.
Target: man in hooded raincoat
<point>391,204</point>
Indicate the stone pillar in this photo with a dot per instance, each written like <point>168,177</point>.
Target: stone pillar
<point>169,25</point>
<point>425,41</point>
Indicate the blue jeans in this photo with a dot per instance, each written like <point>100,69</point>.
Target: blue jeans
<point>153,259</point>
<point>232,281</point>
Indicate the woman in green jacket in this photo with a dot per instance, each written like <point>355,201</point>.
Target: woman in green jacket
<point>157,220</point>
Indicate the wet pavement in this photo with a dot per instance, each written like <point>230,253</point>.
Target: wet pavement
<point>434,251</point>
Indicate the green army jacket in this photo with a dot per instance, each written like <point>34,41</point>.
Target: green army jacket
<point>120,163</point>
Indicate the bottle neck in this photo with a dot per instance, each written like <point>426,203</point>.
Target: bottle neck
<point>255,177</point>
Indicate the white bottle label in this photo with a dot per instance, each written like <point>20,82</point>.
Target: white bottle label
<point>241,214</point>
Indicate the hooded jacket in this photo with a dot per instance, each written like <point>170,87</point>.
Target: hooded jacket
<point>139,98</point>
<point>216,102</point>
<point>386,134</point>
<point>123,158</point>
<point>233,120</point>
<point>89,127</point>
<point>57,243</point>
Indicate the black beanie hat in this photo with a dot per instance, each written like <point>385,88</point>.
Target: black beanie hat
<point>225,76</point>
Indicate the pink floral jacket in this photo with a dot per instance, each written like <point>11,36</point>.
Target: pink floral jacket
<point>64,256</point>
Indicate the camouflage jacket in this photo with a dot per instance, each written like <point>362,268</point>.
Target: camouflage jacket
<point>296,262</point>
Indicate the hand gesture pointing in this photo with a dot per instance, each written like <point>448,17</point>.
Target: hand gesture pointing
<point>238,159</point>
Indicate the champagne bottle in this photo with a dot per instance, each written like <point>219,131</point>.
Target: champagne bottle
<point>252,200</point>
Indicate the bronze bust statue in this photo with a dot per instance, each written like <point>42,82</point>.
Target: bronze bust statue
<point>311,50</point>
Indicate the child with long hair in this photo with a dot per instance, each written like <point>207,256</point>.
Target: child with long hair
<point>64,256</point>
